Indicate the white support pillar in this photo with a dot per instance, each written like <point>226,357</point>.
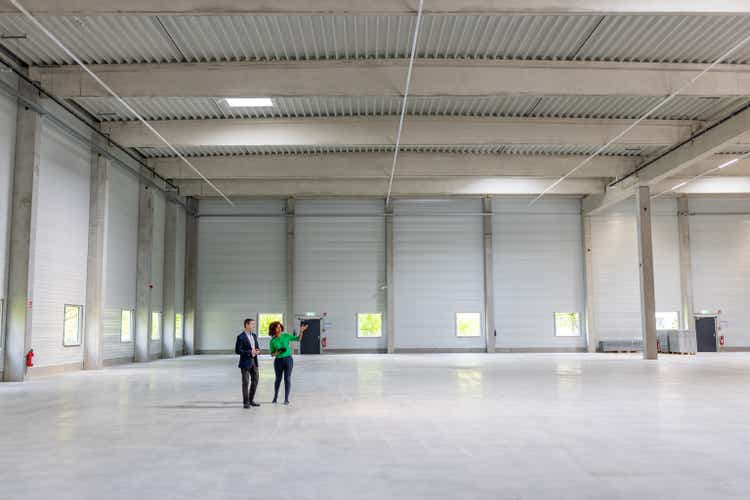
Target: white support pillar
<point>290,252</point>
<point>589,315</point>
<point>390,313</point>
<point>687,321</point>
<point>489,281</point>
<point>646,270</point>
<point>20,254</point>
<point>93,343</point>
<point>191,276</point>
<point>143,273</point>
<point>169,280</point>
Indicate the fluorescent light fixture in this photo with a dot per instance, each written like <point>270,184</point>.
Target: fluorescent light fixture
<point>730,162</point>
<point>249,102</point>
<point>678,186</point>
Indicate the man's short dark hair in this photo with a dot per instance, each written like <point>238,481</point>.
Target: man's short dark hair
<point>248,320</point>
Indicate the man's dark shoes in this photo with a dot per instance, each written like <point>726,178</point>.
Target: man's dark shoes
<point>253,403</point>
<point>246,406</point>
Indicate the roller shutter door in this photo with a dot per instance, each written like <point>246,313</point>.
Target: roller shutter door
<point>720,254</point>
<point>242,263</point>
<point>616,293</point>
<point>340,266</point>
<point>538,270</point>
<point>438,272</point>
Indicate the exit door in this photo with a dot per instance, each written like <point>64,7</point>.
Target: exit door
<point>705,331</point>
<point>311,341</point>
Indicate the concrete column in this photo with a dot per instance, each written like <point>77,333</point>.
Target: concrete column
<point>143,273</point>
<point>489,279</point>
<point>20,252</point>
<point>390,305</point>
<point>169,283</point>
<point>646,269</point>
<point>93,342</point>
<point>589,315</point>
<point>191,277</point>
<point>290,251</point>
<point>687,320</point>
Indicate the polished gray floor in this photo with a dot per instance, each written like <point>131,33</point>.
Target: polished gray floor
<point>374,426</point>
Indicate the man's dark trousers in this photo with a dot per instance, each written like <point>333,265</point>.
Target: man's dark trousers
<point>249,378</point>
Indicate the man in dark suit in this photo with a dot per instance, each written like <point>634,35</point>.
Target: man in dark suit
<point>248,348</point>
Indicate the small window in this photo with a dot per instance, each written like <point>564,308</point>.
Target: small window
<point>265,319</point>
<point>667,321</point>
<point>126,325</point>
<point>567,325</point>
<point>178,326</point>
<point>155,325</point>
<point>468,324</point>
<point>369,325</point>
<point>72,325</point>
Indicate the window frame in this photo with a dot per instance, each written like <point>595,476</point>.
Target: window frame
<point>79,307</point>
<point>161,326</point>
<point>577,323</point>
<point>132,325</point>
<point>356,319</point>
<point>259,330</point>
<point>456,320</point>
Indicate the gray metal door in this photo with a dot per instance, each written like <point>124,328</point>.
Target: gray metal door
<point>705,330</point>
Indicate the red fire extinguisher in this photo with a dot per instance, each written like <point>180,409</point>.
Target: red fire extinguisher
<point>721,340</point>
<point>324,342</point>
<point>30,358</point>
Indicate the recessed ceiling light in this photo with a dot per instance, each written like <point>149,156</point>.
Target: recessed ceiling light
<point>249,102</point>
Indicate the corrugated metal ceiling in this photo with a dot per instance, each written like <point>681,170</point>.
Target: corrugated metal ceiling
<point>614,107</point>
<point>483,149</point>
<point>131,39</point>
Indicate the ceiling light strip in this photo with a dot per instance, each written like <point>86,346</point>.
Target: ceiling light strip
<point>639,120</point>
<point>403,103</point>
<point>117,97</point>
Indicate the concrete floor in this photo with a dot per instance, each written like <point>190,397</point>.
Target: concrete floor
<point>374,426</point>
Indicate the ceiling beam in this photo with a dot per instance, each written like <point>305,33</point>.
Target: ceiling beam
<point>476,186</point>
<point>700,147</point>
<point>371,131</point>
<point>378,166</point>
<point>225,7</point>
<point>386,78</point>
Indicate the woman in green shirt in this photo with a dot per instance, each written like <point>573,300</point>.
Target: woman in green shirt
<point>283,363</point>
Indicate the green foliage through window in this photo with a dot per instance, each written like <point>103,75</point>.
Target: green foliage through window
<point>264,320</point>
<point>72,325</point>
<point>567,325</point>
<point>468,324</point>
<point>369,325</point>
<point>178,325</point>
<point>155,325</point>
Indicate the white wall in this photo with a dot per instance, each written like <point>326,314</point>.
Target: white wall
<point>720,254</point>
<point>438,271</point>
<point>121,260</point>
<point>157,266</point>
<point>616,293</point>
<point>538,270</point>
<point>340,266</point>
<point>7,158</point>
<point>242,264</point>
<point>60,243</point>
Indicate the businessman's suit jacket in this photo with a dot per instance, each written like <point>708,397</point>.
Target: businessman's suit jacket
<point>245,350</point>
